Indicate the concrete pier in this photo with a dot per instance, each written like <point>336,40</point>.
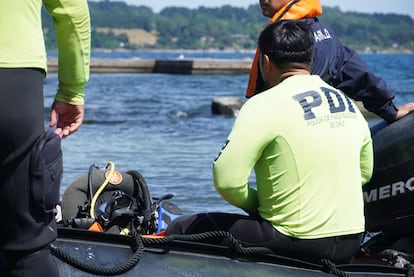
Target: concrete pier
<point>179,66</point>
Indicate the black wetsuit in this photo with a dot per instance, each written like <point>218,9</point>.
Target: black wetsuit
<point>27,227</point>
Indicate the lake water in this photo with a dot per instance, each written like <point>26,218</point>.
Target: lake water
<point>162,125</point>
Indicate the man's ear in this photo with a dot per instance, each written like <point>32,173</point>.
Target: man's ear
<point>266,67</point>
<point>266,62</point>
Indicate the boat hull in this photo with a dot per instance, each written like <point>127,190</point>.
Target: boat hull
<point>187,258</point>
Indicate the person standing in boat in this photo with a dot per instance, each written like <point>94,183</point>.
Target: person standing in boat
<point>30,157</point>
<point>338,65</point>
<point>311,150</point>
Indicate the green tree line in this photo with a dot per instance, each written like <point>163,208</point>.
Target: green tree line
<point>230,27</point>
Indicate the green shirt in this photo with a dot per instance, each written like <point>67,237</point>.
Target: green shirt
<point>22,42</point>
<point>311,151</point>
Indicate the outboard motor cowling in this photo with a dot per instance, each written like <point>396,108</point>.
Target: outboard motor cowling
<point>389,196</point>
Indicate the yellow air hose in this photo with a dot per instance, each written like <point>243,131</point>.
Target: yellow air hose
<point>101,188</point>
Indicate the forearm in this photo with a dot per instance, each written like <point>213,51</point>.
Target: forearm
<point>360,83</point>
<point>231,172</point>
<point>72,27</point>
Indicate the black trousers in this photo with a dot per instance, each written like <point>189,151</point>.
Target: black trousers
<point>255,231</point>
<point>26,229</point>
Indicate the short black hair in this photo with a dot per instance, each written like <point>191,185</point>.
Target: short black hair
<point>287,41</point>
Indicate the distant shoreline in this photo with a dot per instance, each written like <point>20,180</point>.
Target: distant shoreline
<point>245,51</point>
<point>175,61</point>
<point>229,51</point>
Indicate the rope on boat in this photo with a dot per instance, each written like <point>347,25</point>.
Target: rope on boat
<point>99,270</point>
<point>410,270</point>
<point>137,243</point>
<point>329,267</point>
<point>231,241</point>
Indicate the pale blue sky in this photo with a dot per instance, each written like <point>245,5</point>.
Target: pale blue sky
<point>367,6</point>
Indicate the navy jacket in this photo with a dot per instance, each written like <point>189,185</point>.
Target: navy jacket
<point>344,69</point>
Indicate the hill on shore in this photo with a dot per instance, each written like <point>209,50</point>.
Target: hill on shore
<point>119,25</point>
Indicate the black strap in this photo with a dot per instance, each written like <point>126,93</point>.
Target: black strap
<point>148,208</point>
<point>90,190</point>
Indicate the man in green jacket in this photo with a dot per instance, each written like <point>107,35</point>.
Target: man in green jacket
<point>30,157</point>
<point>311,150</point>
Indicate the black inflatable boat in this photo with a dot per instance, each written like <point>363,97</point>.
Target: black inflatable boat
<point>388,249</point>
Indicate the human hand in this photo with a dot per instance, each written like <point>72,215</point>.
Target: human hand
<point>66,118</point>
<point>404,110</point>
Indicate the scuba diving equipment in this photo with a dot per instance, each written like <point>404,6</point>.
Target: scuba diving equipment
<point>112,201</point>
<point>115,210</point>
<point>167,212</point>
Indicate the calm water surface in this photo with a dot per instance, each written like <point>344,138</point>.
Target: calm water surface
<point>162,126</point>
